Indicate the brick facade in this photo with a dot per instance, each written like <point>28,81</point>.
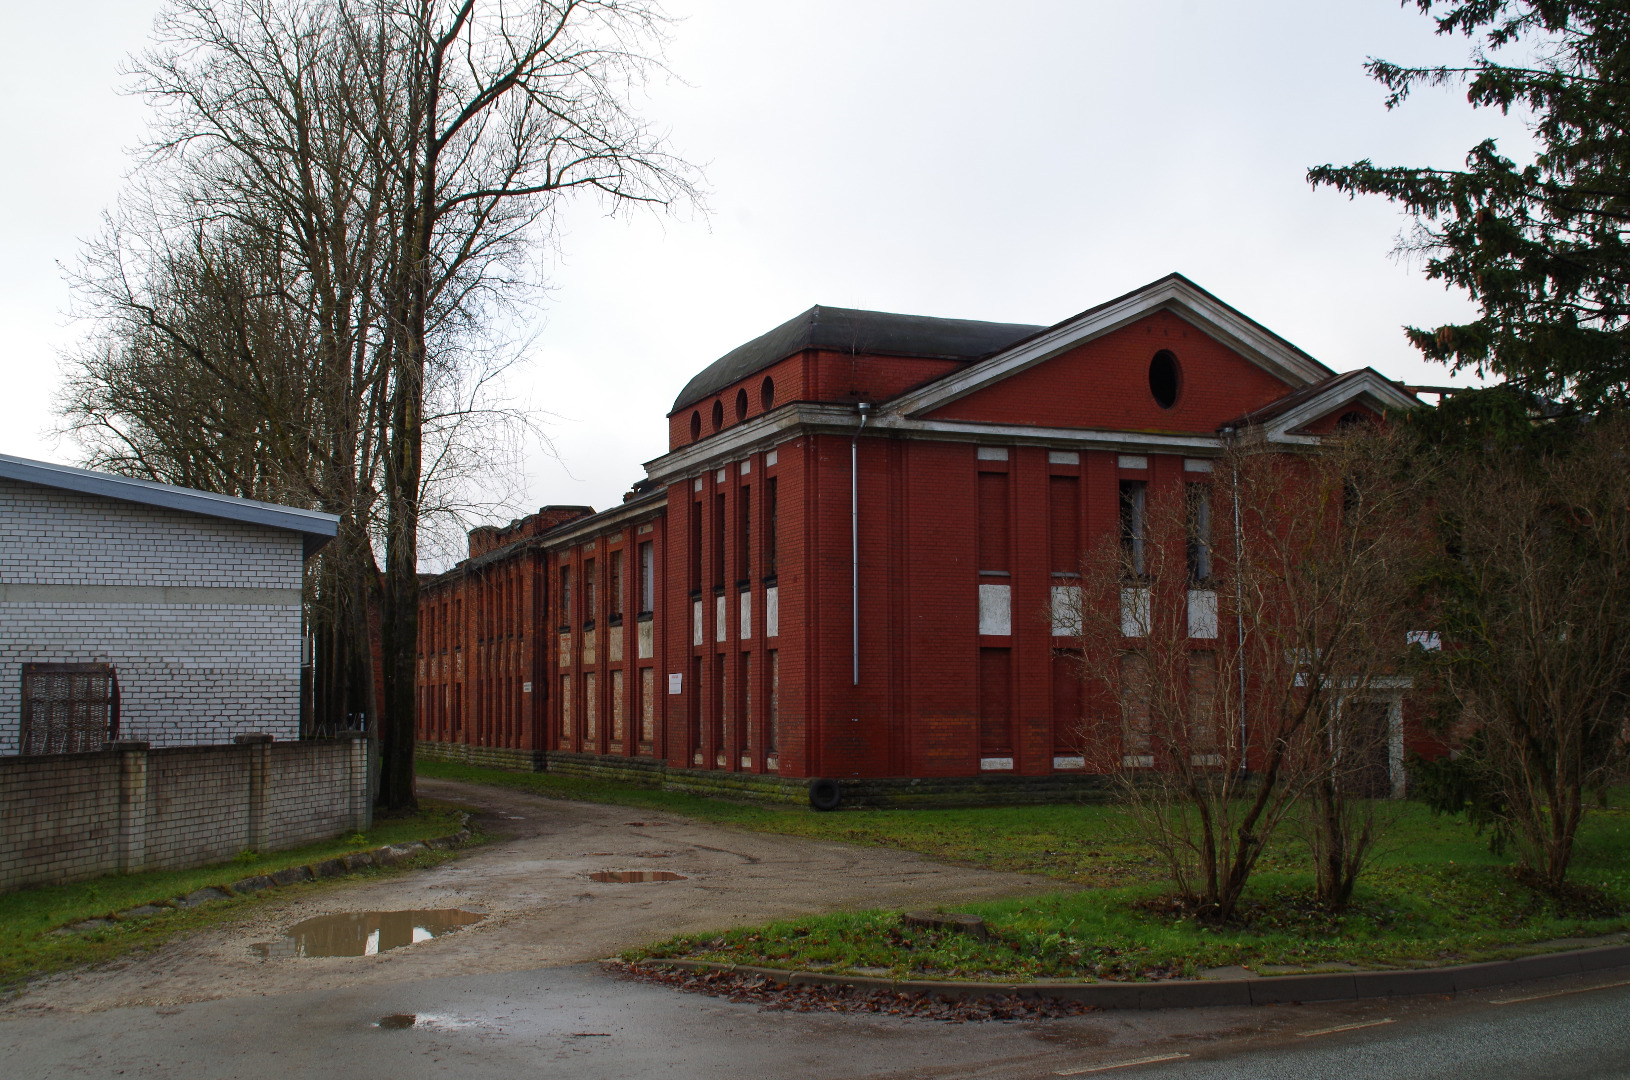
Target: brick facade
<point>976,484</point>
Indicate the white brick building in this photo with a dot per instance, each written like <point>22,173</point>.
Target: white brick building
<point>192,598</point>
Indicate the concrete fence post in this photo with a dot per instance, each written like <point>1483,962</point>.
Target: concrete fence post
<point>362,803</point>
<point>132,803</point>
<point>259,747</point>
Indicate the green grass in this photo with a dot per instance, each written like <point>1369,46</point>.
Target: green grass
<point>28,917</point>
<point>1434,895</point>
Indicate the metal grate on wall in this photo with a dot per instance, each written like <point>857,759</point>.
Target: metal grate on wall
<point>69,708</point>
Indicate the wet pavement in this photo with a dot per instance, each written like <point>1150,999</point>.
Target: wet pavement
<point>582,1023</point>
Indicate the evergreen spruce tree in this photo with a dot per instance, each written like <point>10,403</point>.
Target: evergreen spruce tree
<point>1539,245</point>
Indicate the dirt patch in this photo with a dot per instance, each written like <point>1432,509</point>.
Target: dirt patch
<point>780,997</point>
<point>542,909</point>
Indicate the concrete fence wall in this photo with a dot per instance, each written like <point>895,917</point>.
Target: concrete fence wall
<point>68,817</point>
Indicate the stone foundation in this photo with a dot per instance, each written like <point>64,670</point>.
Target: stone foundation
<point>871,792</point>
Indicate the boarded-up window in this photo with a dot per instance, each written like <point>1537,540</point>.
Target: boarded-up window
<point>1204,721</point>
<point>1135,709</point>
<point>995,700</point>
<point>69,708</point>
<point>1064,524</point>
<point>591,710</point>
<point>648,705</point>
<point>774,658</point>
<point>565,709</point>
<point>1066,700</point>
<point>615,584</point>
<point>696,703</point>
<point>993,521</point>
<point>748,719</point>
<point>619,709</point>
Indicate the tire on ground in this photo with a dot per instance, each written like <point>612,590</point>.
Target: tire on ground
<point>825,794</point>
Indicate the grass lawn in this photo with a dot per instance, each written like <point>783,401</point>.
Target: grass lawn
<point>1434,895</point>
<point>28,917</point>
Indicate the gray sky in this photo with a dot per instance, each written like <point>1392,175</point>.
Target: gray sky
<point>1017,162</point>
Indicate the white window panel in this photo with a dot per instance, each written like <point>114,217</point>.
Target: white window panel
<point>1135,612</point>
<point>996,610</point>
<point>993,453</point>
<point>746,616</point>
<point>720,624</point>
<point>1066,610</point>
<point>1063,457</point>
<point>995,764</point>
<point>1196,464</point>
<point>772,611</point>
<point>696,622</point>
<point>1202,613</point>
<point>1133,461</point>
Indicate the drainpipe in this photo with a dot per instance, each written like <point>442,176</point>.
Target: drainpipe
<point>854,533</point>
<point>1239,605</point>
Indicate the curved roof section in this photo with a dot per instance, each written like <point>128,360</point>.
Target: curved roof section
<point>854,331</point>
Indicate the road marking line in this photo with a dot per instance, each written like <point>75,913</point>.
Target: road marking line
<point>1118,1065</point>
<point>1345,1027</point>
<point>1560,993</point>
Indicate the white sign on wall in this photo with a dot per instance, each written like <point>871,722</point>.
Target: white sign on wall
<point>675,682</point>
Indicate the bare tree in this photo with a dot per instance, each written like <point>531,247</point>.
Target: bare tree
<point>1534,592</point>
<point>1222,631</point>
<point>366,185</point>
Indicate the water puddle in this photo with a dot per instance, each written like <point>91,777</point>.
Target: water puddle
<point>364,933</point>
<point>431,1021</point>
<point>627,876</point>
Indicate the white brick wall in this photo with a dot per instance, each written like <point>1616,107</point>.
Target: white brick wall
<point>188,673</point>
<point>52,537</point>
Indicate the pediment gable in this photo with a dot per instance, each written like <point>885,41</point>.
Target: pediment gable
<point>1089,368</point>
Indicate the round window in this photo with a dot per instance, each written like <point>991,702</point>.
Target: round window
<point>1164,379</point>
<point>696,424</point>
<point>766,392</point>
<point>741,404</point>
<point>718,415</point>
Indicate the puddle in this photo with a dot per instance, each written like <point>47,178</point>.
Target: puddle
<point>644,824</point>
<point>364,933</point>
<point>626,876</point>
<point>432,1021</point>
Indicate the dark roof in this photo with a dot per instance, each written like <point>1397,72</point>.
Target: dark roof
<point>317,528</point>
<point>852,331</point>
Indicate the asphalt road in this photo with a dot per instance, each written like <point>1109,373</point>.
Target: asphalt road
<point>583,1023</point>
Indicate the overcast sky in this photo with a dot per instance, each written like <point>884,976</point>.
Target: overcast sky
<point>1018,162</point>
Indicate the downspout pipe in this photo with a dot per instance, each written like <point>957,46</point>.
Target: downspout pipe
<point>854,535</point>
<point>1239,606</point>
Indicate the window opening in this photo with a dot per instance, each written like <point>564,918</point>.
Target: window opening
<point>69,708</point>
<point>1134,496</point>
<point>1164,379</point>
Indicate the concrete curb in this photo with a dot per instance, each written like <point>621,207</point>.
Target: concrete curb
<point>389,855</point>
<point>1198,993</point>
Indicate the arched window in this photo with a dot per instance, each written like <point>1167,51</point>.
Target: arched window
<point>718,414</point>
<point>696,425</point>
<point>1165,379</point>
<point>766,393</point>
<point>741,404</point>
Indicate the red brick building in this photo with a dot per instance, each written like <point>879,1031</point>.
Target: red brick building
<point>842,568</point>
